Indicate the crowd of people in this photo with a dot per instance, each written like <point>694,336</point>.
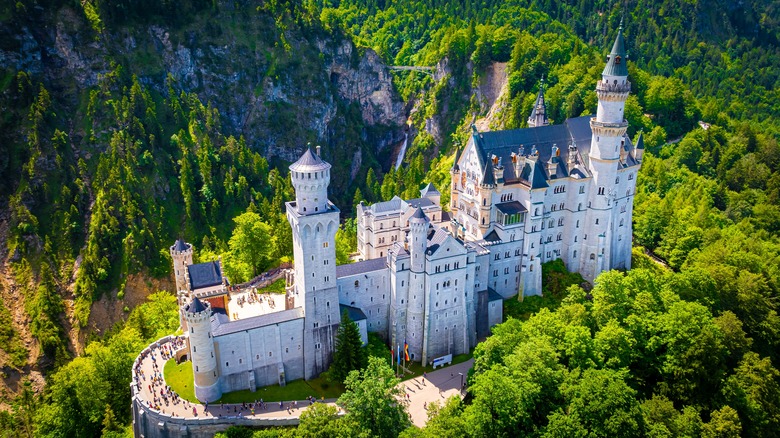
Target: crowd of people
<point>161,395</point>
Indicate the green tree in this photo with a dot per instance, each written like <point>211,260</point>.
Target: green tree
<point>374,400</point>
<point>724,423</point>
<point>754,392</point>
<point>250,247</point>
<point>349,354</point>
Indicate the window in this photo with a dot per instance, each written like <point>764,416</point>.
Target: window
<point>560,222</point>
<point>227,364</point>
<point>621,222</point>
<point>601,190</point>
<point>592,256</point>
<point>194,349</point>
<point>574,255</point>
<point>582,189</point>
<point>630,176</point>
<point>495,272</point>
<point>617,180</point>
<point>597,221</point>
<point>324,244</point>
<point>497,256</point>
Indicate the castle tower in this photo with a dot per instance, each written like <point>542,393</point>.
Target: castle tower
<point>204,361</point>
<point>609,130</point>
<point>538,115</point>
<point>314,221</point>
<point>181,253</point>
<point>415,314</point>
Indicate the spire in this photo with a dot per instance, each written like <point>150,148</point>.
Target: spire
<point>538,115</point>
<point>419,214</point>
<point>455,167</point>
<point>196,306</point>
<point>617,61</point>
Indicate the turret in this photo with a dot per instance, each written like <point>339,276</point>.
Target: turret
<point>639,149</point>
<point>418,234</point>
<point>204,361</point>
<point>310,177</point>
<point>538,115</point>
<point>430,192</point>
<point>181,253</point>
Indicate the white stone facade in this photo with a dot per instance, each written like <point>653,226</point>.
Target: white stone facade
<point>430,279</point>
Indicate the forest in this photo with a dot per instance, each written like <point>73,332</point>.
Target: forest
<point>99,180</point>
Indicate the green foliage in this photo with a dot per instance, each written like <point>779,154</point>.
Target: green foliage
<point>250,248</point>
<point>349,354</point>
<point>373,400</point>
<point>346,241</point>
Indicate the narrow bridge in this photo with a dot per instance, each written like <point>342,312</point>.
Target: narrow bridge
<point>421,69</point>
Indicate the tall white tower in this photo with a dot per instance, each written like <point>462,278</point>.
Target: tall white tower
<point>204,360</point>
<point>415,313</point>
<point>314,221</point>
<point>181,253</point>
<point>609,136</point>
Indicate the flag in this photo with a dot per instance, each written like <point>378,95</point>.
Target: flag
<point>406,351</point>
<point>399,354</point>
<point>392,355</point>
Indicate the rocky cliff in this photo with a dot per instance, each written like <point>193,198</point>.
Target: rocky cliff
<point>278,96</point>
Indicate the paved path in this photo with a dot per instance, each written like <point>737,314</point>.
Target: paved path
<point>152,365</point>
<point>439,386</point>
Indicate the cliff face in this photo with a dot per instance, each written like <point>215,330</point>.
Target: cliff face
<point>277,98</point>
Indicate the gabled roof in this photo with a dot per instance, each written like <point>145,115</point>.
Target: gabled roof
<point>221,325</point>
<point>360,267</point>
<point>354,313</point>
<point>492,236</point>
<point>205,275</point>
<point>419,202</point>
<point>640,141</point>
<point>429,189</point>
<point>617,61</point>
<point>386,206</point>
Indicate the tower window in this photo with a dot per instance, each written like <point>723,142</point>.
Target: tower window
<point>324,244</point>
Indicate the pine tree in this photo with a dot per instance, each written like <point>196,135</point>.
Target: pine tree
<point>349,353</point>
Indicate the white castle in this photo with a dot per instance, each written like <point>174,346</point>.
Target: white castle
<point>429,278</point>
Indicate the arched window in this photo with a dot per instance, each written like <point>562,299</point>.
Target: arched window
<point>592,256</point>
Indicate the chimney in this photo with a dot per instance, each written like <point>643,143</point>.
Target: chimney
<point>318,150</point>
<point>572,154</point>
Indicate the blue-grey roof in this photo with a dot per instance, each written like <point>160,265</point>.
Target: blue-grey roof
<point>354,313</point>
<point>575,131</point>
<point>419,214</point>
<point>419,202</point>
<point>617,61</point>
<point>429,189</point>
<point>361,267</point>
<point>221,325</point>
<point>387,206</point>
<point>309,162</point>
<point>196,306</point>
<point>640,141</point>
<point>492,236</point>
<point>436,236</point>
<point>180,246</point>
<point>511,207</point>
<point>494,296</point>
<point>205,275</point>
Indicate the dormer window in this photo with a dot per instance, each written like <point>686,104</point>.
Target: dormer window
<point>617,59</point>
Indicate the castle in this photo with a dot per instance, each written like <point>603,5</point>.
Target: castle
<point>432,279</point>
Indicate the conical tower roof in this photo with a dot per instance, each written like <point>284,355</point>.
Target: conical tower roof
<point>538,115</point>
<point>419,214</point>
<point>196,306</point>
<point>617,61</point>
<point>309,162</point>
<point>180,246</point>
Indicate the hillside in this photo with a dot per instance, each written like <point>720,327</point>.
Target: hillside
<point>126,124</point>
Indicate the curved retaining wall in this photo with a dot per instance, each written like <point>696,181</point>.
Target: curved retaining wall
<point>151,423</point>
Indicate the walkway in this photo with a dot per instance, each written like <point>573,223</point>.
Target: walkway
<point>438,387</point>
<point>170,404</point>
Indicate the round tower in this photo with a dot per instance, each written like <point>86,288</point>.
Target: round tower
<point>415,310</point>
<point>181,253</point>
<point>204,361</point>
<point>418,231</point>
<point>310,177</point>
